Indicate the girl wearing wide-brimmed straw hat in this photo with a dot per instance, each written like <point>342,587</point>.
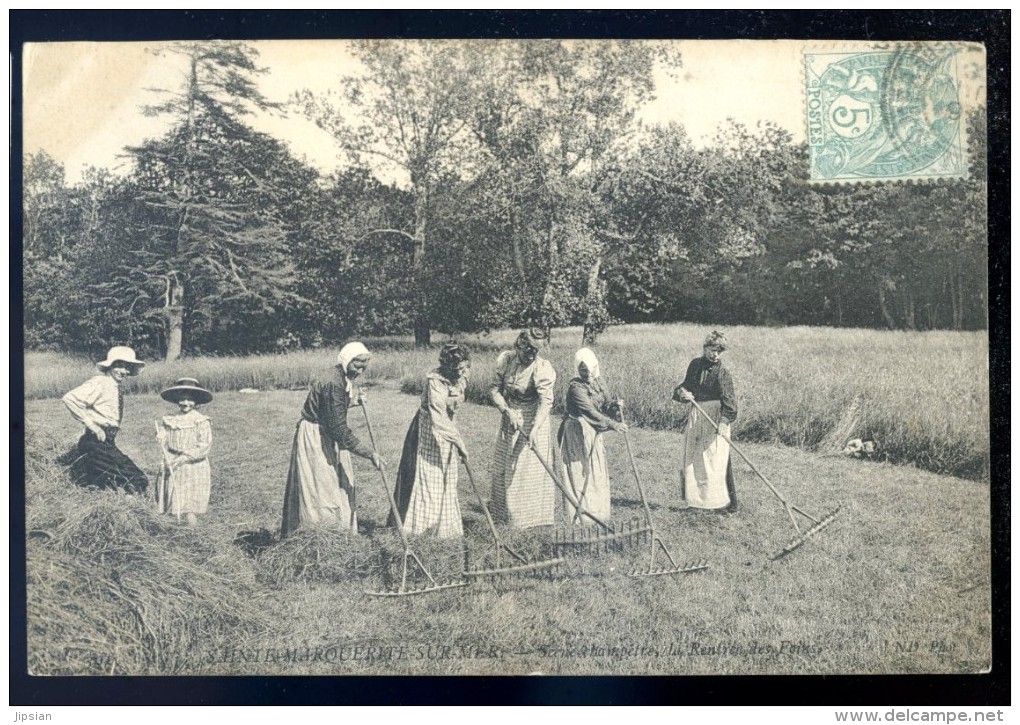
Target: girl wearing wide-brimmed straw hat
<point>522,493</point>
<point>185,438</point>
<point>98,404</point>
<point>706,473</point>
<point>320,482</point>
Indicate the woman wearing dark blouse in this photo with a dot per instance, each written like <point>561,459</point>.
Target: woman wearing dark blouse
<point>588,410</point>
<point>706,473</point>
<point>320,483</point>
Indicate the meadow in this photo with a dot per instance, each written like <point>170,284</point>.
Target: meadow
<point>898,584</point>
<point>923,396</point>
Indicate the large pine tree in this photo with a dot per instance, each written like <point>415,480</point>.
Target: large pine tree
<point>214,242</point>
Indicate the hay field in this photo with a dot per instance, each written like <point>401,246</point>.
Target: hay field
<point>900,583</point>
<point>922,395</point>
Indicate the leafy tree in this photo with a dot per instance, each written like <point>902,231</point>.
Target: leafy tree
<point>45,206</point>
<point>407,112</point>
<point>903,256</point>
<point>358,280</point>
<point>554,123</point>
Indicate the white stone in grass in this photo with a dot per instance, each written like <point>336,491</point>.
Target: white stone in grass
<point>248,391</point>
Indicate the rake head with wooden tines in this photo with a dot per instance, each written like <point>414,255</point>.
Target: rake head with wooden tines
<point>802,535</point>
<point>819,524</point>
<point>604,533</point>
<point>656,543</point>
<point>595,539</point>
<point>523,565</point>
<point>673,568</point>
<point>408,556</point>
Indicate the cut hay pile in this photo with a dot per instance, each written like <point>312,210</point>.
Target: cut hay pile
<point>115,589</point>
<point>318,554</point>
<point>326,555</point>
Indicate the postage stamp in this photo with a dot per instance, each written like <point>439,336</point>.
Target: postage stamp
<point>885,115</point>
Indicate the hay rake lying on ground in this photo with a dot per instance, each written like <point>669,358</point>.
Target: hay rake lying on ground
<point>655,542</point>
<point>403,590</point>
<point>802,536</point>
<point>523,565</point>
<point>595,539</point>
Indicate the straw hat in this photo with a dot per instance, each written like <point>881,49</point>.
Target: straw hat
<point>121,354</point>
<point>186,387</point>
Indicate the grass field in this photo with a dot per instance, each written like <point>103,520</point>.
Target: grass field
<point>898,584</point>
<point>922,395</point>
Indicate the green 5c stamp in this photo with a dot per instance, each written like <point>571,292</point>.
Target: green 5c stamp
<point>884,115</point>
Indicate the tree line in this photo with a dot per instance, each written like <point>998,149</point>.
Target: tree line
<point>527,192</point>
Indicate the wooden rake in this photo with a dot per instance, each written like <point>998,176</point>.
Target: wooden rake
<point>605,534</point>
<point>802,535</point>
<point>523,565</point>
<point>409,555</point>
<point>655,542</point>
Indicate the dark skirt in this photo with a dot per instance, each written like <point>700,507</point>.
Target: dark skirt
<point>101,464</point>
<point>406,473</point>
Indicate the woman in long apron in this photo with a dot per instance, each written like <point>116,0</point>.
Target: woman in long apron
<point>589,412</point>
<point>522,390</point>
<point>706,472</point>
<point>426,489</point>
<point>320,483</point>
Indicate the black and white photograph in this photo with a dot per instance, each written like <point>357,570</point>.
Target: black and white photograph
<point>506,357</point>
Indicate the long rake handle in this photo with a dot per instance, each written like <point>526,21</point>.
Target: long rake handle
<point>587,479</point>
<point>637,477</point>
<point>566,492</point>
<point>741,454</point>
<point>644,503</point>
<point>488,515</point>
<point>386,487</point>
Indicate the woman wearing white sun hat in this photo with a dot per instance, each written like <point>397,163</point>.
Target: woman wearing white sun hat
<point>98,404</point>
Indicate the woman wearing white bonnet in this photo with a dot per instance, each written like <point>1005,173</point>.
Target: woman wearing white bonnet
<point>588,414</point>
<point>320,483</point>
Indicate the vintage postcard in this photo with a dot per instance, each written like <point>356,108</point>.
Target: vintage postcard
<point>478,357</point>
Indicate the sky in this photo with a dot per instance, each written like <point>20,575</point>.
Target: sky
<point>82,100</point>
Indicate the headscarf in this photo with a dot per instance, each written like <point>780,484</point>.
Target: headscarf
<point>586,356</point>
<point>716,340</point>
<point>348,353</point>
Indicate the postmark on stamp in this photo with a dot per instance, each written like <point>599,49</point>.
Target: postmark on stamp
<point>888,114</point>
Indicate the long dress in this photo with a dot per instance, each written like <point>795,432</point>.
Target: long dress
<point>706,472</point>
<point>582,452</point>
<point>522,493</point>
<point>320,482</point>
<point>426,489</point>
<point>185,487</point>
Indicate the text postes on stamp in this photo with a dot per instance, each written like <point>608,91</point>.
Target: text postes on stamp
<point>884,115</point>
